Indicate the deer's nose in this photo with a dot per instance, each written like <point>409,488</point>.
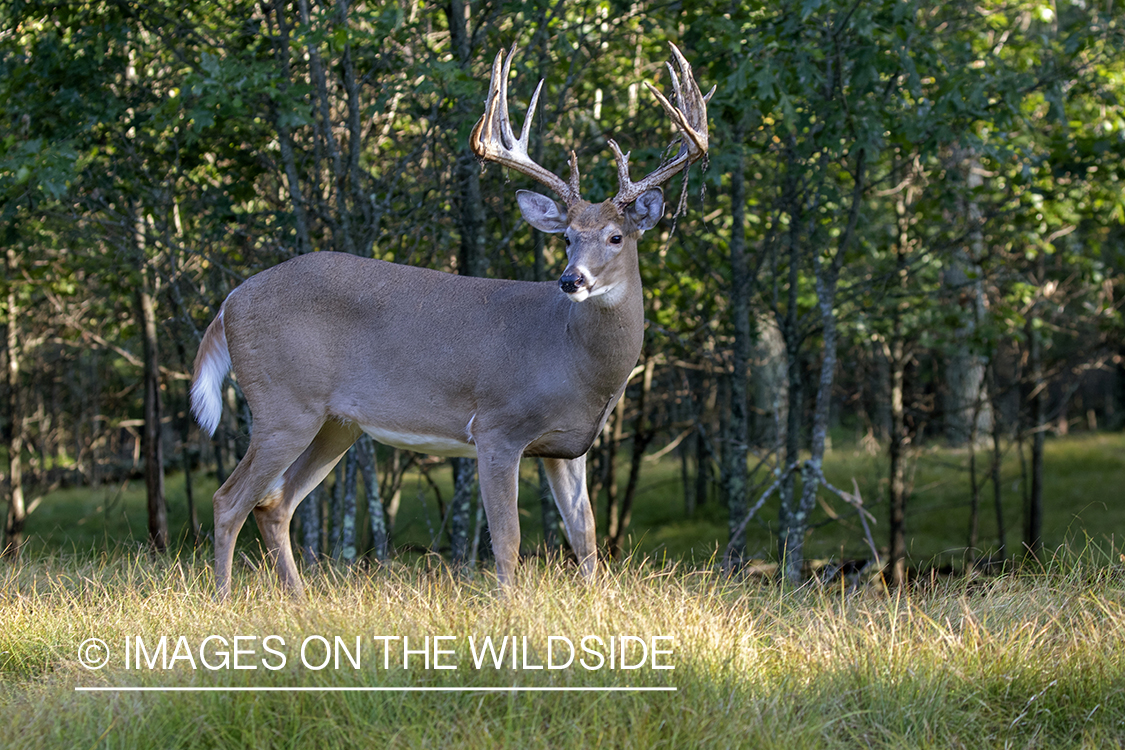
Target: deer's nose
<point>571,282</point>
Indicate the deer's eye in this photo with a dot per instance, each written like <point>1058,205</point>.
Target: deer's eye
<point>566,240</point>
<point>615,239</point>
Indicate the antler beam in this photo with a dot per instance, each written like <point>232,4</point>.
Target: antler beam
<point>494,140</point>
<point>689,115</point>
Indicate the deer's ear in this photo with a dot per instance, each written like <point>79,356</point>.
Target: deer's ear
<point>541,212</point>
<point>647,210</point>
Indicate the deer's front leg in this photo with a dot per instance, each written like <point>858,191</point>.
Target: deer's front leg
<point>567,478</point>
<point>499,491</point>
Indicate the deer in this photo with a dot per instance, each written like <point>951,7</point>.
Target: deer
<point>327,346</point>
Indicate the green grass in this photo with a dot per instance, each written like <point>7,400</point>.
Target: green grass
<point>1034,658</point>
<point>1083,477</point>
<point>1083,488</point>
<point>1029,660</point>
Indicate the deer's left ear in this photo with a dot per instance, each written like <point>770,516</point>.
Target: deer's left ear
<point>541,212</point>
<point>647,210</point>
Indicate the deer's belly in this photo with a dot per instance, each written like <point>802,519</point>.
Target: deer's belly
<point>436,445</point>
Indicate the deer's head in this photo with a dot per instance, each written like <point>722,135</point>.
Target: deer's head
<point>601,238</point>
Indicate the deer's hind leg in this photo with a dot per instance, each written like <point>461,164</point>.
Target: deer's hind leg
<point>303,475</point>
<point>257,480</point>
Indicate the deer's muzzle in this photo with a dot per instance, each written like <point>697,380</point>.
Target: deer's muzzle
<point>572,281</point>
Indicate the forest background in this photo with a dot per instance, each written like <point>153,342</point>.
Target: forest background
<point>909,237</point>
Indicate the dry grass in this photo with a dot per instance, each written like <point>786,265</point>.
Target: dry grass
<point>1032,659</point>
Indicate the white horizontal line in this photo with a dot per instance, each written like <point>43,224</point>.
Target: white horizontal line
<point>375,689</point>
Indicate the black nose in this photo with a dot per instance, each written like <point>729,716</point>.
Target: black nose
<point>572,282</point>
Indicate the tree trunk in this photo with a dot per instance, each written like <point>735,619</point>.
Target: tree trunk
<point>152,442</point>
<point>342,225</point>
<point>896,449</point>
<point>770,385</point>
<point>612,505</point>
<point>965,404</point>
<point>790,330</point>
<point>642,436</point>
<point>309,514</point>
<point>285,139</point>
<point>896,356</point>
<point>348,512</point>
<point>974,492</point>
<point>17,511</point>
<point>376,518</point>
<point>1033,512</point>
<point>997,456</point>
<point>460,510</point>
<point>739,425</point>
<point>185,460</point>
<point>686,448</point>
<point>826,277</point>
<point>185,438</point>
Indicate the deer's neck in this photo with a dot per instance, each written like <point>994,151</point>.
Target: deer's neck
<point>605,335</point>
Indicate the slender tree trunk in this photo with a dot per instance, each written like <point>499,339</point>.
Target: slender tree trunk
<point>997,456</point>
<point>17,511</point>
<point>375,514</point>
<point>336,511</point>
<point>460,510</point>
<point>739,425</point>
<point>642,436</point>
<point>392,489</point>
<point>964,371</point>
<point>348,511</point>
<point>152,442</point>
<point>185,438</point>
<point>1033,512</point>
<point>360,202</point>
<point>787,542</point>
<point>612,504</point>
<point>769,384</point>
<point>309,514</point>
<point>974,490</point>
<point>896,356</point>
<point>826,278</point>
<point>685,450</point>
<point>703,467</point>
<point>285,138</point>
<point>896,449</point>
<point>185,459</point>
<point>342,223</point>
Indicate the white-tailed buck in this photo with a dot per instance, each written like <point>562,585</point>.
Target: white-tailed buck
<point>327,346</point>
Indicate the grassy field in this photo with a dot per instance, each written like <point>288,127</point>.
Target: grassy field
<point>1029,660</point>
<point>1034,658</point>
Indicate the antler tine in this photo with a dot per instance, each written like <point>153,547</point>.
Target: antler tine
<point>689,116</point>
<point>494,140</point>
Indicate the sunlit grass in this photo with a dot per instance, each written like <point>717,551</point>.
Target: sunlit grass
<point>1031,659</point>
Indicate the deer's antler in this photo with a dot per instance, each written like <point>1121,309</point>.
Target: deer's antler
<point>689,115</point>
<point>494,140</point>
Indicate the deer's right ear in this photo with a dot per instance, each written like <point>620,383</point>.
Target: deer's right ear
<point>541,212</point>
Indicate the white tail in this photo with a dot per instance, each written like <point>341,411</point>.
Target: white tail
<point>212,364</point>
<point>328,346</point>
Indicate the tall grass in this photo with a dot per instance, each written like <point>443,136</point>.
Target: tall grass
<point>1035,658</point>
